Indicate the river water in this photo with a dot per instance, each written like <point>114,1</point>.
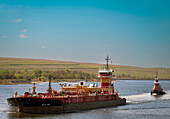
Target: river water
<point>140,104</point>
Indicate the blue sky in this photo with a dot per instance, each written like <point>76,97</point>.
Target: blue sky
<point>134,33</point>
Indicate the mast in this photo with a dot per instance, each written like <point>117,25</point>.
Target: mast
<point>49,89</point>
<point>156,77</point>
<point>49,81</point>
<point>107,64</point>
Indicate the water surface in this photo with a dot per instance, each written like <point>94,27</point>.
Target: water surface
<point>140,104</point>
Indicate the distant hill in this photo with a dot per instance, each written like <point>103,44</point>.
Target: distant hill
<point>121,72</point>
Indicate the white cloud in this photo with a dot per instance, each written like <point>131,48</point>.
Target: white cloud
<point>4,36</point>
<point>24,30</point>
<point>22,36</point>
<point>42,47</point>
<point>17,20</point>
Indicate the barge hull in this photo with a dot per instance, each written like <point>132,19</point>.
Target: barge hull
<point>68,107</point>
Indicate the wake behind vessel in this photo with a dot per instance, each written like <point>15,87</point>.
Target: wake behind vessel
<point>69,98</point>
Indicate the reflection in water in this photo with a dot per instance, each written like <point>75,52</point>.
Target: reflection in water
<point>157,97</point>
<point>78,115</point>
<point>25,115</point>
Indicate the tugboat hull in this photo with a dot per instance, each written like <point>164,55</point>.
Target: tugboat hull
<point>63,108</point>
<point>157,92</point>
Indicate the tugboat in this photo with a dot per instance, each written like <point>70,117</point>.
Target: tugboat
<point>157,90</point>
<point>70,98</point>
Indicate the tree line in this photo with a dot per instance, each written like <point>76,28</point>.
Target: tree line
<point>61,74</point>
<point>44,74</point>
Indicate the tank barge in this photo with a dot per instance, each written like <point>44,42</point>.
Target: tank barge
<point>70,98</point>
